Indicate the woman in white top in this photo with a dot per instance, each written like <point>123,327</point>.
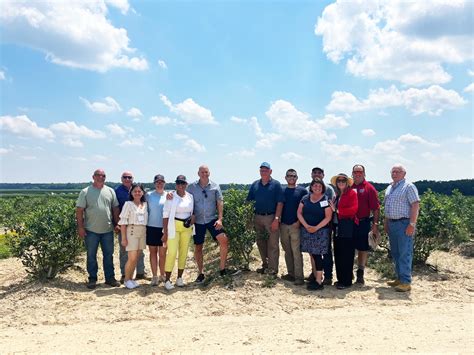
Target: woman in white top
<point>154,229</point>
<point>133,220</point>
<point>178,219</point>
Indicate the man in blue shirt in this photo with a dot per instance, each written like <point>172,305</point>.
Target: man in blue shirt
<point>290,229</point>
<point>402,204</point>
<point>268,196</point>
<point>209,211</point>
<point>123,195</point>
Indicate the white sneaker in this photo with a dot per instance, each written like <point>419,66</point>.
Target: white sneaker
<point>180,282</point>
<point>136,283</point>
<point>130,284</point>
<point>169,285</point>
<point>154,281</point>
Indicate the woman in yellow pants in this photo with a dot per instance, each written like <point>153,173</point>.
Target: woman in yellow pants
<point>177,230</point>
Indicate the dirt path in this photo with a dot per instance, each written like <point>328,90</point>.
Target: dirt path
<point>64,317</point>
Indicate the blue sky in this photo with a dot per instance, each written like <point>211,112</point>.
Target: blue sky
<point>165,86</point>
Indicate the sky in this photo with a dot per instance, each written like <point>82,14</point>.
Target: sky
<point>166,86</point>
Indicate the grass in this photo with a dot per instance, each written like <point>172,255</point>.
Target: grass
<point>4,249</point>
<point>380,261</point>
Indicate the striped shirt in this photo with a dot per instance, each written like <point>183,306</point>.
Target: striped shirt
<point>398,199</point>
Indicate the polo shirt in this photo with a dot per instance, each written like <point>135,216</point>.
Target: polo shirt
<point>266,196</point>
<point>97,205</point>
<point>123,195</point>
<point>293,198</point>
<point>205,201</point>
<point>367,199</point>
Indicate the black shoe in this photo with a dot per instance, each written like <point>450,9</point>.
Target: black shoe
<point>112,282</point>
<point>140,276</point>
<point>288,277</point>
<point>314,286</point>
<point>229,272</point>
<point>223,272</point>
<point>341,286</point>
<point>199,279</point>
<point>360,277</point>
<point>310,278</point>
<point>327,282</point>
<point>91,284</point>
<point>261,270</point>
<point>122,279</point>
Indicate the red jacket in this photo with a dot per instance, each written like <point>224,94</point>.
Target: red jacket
<point>348,205</point>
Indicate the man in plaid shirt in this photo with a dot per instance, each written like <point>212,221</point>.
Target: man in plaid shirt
<point>401,211</point>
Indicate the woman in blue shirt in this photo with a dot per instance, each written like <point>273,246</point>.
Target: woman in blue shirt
<point>154,230</point>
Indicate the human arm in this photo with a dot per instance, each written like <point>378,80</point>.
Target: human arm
<point>123,232</point>
<point>276,222</point>
<point>415,207</point>
<point>220,214</point>
<point>375,224</point>
<point>299,214</point>
<point>80,222</point>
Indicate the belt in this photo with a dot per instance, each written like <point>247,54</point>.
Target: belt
<point>398,219</point>
<point>181,219</point>
<point>264,214</point>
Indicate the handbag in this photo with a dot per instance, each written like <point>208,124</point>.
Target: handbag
<point>187,222</point>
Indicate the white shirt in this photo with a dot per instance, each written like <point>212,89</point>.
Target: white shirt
<point>133,214</point>
<point>184,206</point>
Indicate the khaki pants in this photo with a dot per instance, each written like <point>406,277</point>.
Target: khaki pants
<point>268,242</point>
<point>290,241</point>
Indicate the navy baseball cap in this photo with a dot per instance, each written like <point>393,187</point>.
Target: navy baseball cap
<point>181,178</point>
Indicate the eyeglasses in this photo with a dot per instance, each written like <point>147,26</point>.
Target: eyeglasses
<point>127,177</point>
<point>205,193</point>
<point>291,176</point>
<point>100,175</point>
<point>180,183</point>
<point>340,180</point>
<point>357,172</point>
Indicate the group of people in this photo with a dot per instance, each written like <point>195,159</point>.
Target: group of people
<point>340,216</point>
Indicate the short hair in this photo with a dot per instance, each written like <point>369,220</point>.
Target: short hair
<point>134,186</point>
<point>399,166</point>
<point>363,167</point>
<point>316,169</point>
<point>291,171</point>
<point>317,181</point>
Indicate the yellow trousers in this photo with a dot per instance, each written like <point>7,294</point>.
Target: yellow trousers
<point>179,245</point>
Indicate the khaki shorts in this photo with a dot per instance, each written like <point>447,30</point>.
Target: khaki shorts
<point>136,237</point>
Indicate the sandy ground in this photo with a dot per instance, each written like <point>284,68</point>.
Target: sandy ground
<point>63,316</point>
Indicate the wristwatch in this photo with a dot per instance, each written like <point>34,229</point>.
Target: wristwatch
<point>277,218</point>
<point>412,224</point>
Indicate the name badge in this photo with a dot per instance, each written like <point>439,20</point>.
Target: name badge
<point>141,218</point>
<point>361,190</point>
<point>324,203</point>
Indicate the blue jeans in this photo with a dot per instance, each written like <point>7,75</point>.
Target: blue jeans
<point>401,248</point>
<point>123,257</point>
<point>106,241</point>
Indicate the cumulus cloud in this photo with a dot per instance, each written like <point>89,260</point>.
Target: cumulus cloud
<point>292,123</point>
<point>72,142</point>
<point>2,75</point>
<point>108,106</point>
<point>117,130</point>
<point>71,129</point>
<point>406,41</point>
<point>469,88</point>
<point>367,132</point>
<point>160,120</point>
<point>134,112</point>
<point>332,121</point>
<point>122,5</point>
<point>76,34</point>
<point>242,154</point>
<point>264,139</point>
<point>189,111</point>
<point>133,142</point>
<point>162,64</point>
<point>464,139</point>
<point>24,127</point>
<point>291,156</point>
<point>189,144</point>
<point>432,100</point>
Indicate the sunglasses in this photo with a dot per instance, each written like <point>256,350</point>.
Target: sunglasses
<point>291,176</point>
<point>100,175</point>
<point>205,193</point>
<point>341,180</point>
<point>127,177</point>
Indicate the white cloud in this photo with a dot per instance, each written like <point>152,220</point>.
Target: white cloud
<point>4,151</point>
<point>72,142</point>
<point>238,120</point>
<point>332,121</point>
<point>133,142</point>
<point>160,120</point>
<point>2,75</point>
<point>134,112</point>
<point>343,151</point>
<point>464,139</point>
<point>432,100</point>
<point>71,129</point>
<point>290,156</point>
<point>470,72</point>
<point>98,157</point>
<point>76,34</point>
<point>117,130</point>
<point>194,146</point>
<point>108,106</point>
<point>189,111</point>
<point>242,154</point>
<point>162,64</point>
<point>292,123</point>
<point>122,5</point>
<point>469,88</point>
<point>406,41</point>
<point>24,127</point>
<point>180,136</point>
<point>367,132</point>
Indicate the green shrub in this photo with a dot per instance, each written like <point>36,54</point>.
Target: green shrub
<point>46,240</point>
<point>4,248</point>
<point>238,223</point>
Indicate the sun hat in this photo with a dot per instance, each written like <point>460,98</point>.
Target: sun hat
<point>344,176</point>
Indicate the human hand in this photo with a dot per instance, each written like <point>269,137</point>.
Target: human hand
<point>218,225</point>
<point>410,230</point>
<point>275,225</point>
<point>124,241</point>
<point>82,232</point>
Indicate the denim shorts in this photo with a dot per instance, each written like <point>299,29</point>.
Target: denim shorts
<point>200,231</point>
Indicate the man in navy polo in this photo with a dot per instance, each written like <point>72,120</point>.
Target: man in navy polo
<point>123,195</point>
<point>268,196</point>
<point>209,211</point>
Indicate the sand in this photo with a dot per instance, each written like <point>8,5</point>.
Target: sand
<point>63,316</point>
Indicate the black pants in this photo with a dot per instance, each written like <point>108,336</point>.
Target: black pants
<point>344,253</point>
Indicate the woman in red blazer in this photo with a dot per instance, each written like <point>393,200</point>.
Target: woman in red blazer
<point>346,209</point>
